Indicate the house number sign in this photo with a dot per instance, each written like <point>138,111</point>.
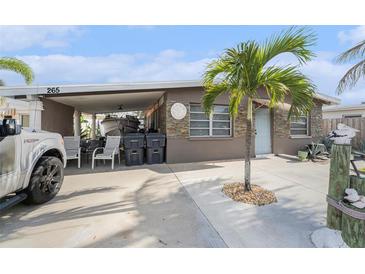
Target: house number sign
<point>178,111</point>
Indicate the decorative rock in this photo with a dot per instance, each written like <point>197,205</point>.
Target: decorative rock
<point>328,238</point>
<point>350,191</point>
<point>359,204</point>
<point>343,134</point>
<point>352,198</point>
<point>362,199</point>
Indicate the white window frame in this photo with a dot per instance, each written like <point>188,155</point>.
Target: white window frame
<point>210,120</point>
<point>307,128</point>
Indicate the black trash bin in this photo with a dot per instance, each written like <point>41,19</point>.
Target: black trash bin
<point>155,140</point>
<point>155,155</point>
<point>155,148</point>
<point>134,156</point>
<point>133,140</point>
<point>134,148</point>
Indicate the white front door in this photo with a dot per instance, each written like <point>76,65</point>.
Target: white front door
<point>263,131</point>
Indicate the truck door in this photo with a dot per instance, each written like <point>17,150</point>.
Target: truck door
<point>10,152</point>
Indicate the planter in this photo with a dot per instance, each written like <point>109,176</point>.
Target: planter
<point>302,155</point>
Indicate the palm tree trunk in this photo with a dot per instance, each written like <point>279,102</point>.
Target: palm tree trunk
<point>248,146</point>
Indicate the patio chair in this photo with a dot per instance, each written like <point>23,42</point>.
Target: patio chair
<point>109,152</point>
<point>73,148</point>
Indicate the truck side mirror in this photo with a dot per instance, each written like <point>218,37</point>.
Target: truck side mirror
<point>10,127</point>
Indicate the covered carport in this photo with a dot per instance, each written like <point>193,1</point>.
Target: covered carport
<point>63,104</point>
<point>103,103</point>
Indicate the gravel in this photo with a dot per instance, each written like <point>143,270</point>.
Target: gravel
<point>258,196</point>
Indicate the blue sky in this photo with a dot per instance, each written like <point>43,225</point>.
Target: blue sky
<point>103,54</point>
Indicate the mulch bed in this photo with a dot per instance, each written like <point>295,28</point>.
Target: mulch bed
<point>258,196</point>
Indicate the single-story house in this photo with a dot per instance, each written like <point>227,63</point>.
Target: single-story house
<point>173,108</point>
<point>344,111</point>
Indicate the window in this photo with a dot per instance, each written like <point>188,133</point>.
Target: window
<point>352,116</point>
<point>299,125</point>
<point>24,120</point>
<point>218,124</point>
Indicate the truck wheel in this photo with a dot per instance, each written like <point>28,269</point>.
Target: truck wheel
<point>45,181</point>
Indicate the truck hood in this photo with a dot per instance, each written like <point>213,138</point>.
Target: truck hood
<point>28,132</point>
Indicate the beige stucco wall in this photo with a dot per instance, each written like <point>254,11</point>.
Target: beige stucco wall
<point>57,117</point>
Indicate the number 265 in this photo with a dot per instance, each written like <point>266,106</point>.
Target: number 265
<point>53,90</point>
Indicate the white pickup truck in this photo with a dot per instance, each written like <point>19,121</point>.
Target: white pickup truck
<point>31,164</point>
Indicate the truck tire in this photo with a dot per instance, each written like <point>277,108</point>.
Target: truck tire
<point>45,181</point>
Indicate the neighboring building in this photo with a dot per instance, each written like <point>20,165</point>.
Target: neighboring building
<point>24,112</point>
<point>192,137</point>
<point>338,112</point>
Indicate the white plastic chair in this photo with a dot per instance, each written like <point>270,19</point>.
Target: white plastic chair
<point>108,152</point>
<point>73,149</point>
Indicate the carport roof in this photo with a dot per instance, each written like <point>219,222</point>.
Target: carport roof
<point>118,87</point>
<point>89,88</point>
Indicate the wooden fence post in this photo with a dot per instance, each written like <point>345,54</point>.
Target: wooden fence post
<point>353,229</point>
<point>339,181</point>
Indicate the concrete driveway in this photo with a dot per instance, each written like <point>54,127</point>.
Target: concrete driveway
<point>130,207</point>
<point>300,188</point>
<point>178,205</point>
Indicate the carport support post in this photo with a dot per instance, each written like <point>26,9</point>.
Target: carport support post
<point>339,181</point>
<point>77,123</point>
<point>93,126</point>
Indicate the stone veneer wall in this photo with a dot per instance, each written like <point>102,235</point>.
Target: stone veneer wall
<point>162,118</point>
<point>281,126</point>
<point>176,128</point>
<point>239,123</point>
<point>316,122</point>
<point>283,143</point>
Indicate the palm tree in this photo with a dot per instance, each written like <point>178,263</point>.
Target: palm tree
<point>242,70</point>
<point>351,77</point>
<point>18,66</point>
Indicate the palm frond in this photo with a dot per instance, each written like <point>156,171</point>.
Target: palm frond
<point>351,77</point>
<point>212,91</point>
<point>289,81</point>
<point>215,69</point>
<point>242,70</point>
<point>18,66</point>
<point>357,51</point>
<point>295,41</point>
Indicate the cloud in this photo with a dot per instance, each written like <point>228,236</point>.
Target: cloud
<point>166,65</point>
<point>353,36</point>
<point>21,37</point>
<point>325,74</point>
